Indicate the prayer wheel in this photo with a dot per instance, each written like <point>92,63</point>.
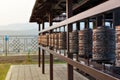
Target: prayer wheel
<point>85,43</point>
<point>56,40</point>
<point>62,40</point>
<point>39,39</point>
<point>73,42</point>
<point>104,45</point>
<point>49,40</point>
<point>118,42</point>
<point>45,40</point>
<point>52,40</point>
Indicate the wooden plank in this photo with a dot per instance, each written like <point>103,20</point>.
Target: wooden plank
<point>28,73</point>
<point>35,75</point>
<point>14,75</point>
<point>106,6</point>
<point>21,73</point>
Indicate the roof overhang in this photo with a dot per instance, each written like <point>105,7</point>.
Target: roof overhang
<point>42,8</point>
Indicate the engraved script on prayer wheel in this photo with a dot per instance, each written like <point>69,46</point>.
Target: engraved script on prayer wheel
<point>85,43</point>
<point>73,42</point>
<point>104,45</point>
<point>62,40</point>
<point>118,42</point>
<point>56,40</point>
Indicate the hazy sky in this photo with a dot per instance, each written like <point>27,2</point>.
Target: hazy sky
<point>15,11</point>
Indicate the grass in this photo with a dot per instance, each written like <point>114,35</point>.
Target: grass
<point>3,70</point>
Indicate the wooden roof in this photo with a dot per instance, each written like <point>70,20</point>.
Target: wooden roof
<point>43,7</point>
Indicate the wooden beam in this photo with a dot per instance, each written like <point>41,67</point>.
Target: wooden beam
<point>104,7</point>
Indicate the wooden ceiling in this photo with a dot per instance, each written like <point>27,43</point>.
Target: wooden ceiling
<point>42,8</point>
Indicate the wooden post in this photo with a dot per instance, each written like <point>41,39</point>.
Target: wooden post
<point>43,54</point>
<point>69,29</point>
<point>78,28</point>
<point>116,18</point>
<point>51,55</point>
<point>39,54</point>
<point>99,22</point>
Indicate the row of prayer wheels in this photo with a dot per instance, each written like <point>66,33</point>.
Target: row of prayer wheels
<point>99,44</point>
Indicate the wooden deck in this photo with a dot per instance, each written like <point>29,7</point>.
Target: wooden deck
<point>33,72</point>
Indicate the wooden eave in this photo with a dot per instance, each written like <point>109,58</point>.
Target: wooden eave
<point>43,7</point>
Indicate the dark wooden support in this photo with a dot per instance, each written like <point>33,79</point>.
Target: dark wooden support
<point>78,25</point>
<point>116,18</point>
<point>87,23</point>
<point>43,54</point>
<point>69,29</point>
<point>51,55</point>
<point>78,28</point>
<point>39,54</point>
<point>94,23</point>
<point>99,22</point>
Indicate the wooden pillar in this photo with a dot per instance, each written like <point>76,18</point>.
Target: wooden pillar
<point>51,55</point>
<point>39,54</point>
<point>69,29</point>
<point>99,22</point>
<point>78,25</point>
<point>43,54</point>
<point>87,23</point>
<point>78,28</point>
<point>116,18</point>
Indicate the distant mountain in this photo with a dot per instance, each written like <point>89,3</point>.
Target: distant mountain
<point>19,29</point>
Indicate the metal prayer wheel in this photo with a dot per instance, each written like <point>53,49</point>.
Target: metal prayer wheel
<point>52,40</point>
<point>39,39</point>
<point>104,45</point>
<point>118,42</point>
<point>73,42</point>
<point>62,40</point>
<point>45,40</point>
<point>85,43</point>
<point>56,40</point>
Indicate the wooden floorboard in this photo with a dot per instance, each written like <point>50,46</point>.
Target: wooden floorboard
<point>33,72</point>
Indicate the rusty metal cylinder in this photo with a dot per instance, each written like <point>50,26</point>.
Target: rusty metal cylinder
<point>52,40</point>
<point>56,40</point>
<point>85,43</point>
<point>43,40</point>
<point>73,42</point>
<point>118,42</point>
<point>104,45</point>
<point>62,40</point>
